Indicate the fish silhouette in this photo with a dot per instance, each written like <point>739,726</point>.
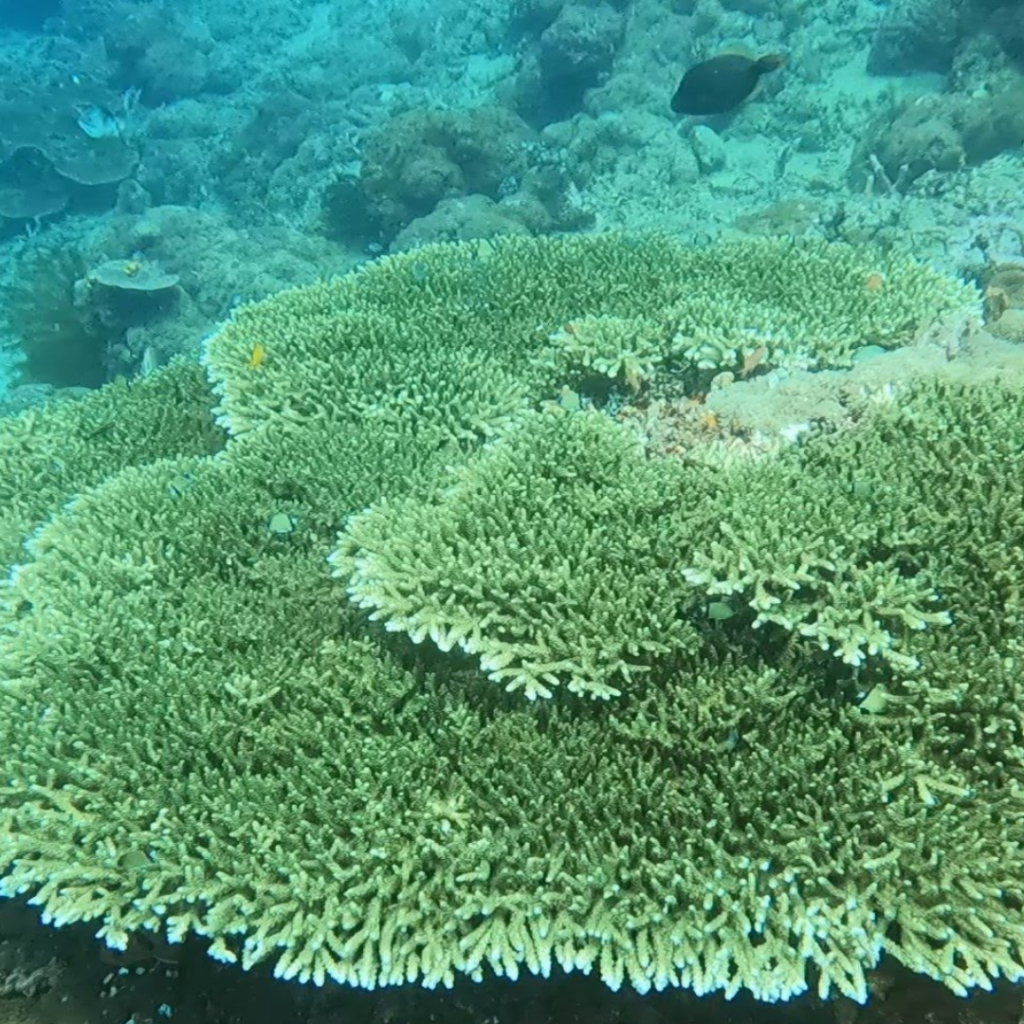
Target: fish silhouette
<point>723,82</point>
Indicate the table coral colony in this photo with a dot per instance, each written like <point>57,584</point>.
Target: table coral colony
<point>206,730</point>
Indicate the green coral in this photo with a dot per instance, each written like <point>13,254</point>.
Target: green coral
<point>807,551</point>
<point>808,304</point>
<point>482,334</point>
<point>564,555</point>
<point>203,735</point>
<point>546,557</point>
<point>51,453</point>
<point>622,349</point>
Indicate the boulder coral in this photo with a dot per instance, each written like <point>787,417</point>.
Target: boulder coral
<point>938,133</point>
<point>421,158</point>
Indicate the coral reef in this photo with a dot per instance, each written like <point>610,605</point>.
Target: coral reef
<point>686,476</point>
<point>53,452</point>
<point>918,35</point>
<point>941,133</point>
<point>58,145</point>
<point>471,174</point>
<point>209,738</point>
<point>386,128</point>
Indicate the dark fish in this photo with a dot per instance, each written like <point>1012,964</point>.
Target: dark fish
<point>722,83</point>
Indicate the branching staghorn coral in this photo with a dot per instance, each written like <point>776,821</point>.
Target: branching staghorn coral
<point>203,735</point>
<point>52,453</point>
<point>804,552</point>
<point>547,557</point>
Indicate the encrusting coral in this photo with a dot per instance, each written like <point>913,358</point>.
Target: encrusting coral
<point>202,733</point>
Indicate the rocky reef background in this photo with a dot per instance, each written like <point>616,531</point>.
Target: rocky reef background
<point>215,157</point>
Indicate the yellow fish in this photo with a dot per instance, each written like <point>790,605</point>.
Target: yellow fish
<point>256,357</point>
